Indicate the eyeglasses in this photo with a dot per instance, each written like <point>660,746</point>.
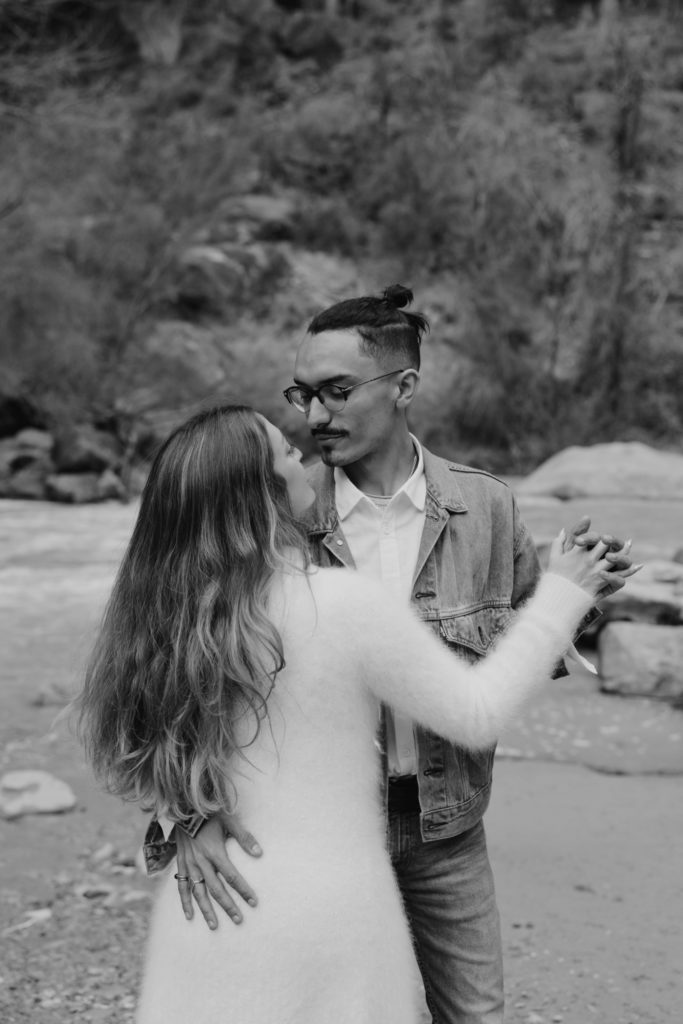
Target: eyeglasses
<point>332,396</point>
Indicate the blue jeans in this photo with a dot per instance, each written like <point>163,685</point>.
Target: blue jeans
<point>449,897</point>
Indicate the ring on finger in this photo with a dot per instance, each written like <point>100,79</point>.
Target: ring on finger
<point>182,878</point>
<point>197,881</point>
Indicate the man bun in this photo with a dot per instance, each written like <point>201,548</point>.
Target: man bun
<point>397,296</point>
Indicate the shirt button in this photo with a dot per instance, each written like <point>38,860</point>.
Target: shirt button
<point>340,543</point>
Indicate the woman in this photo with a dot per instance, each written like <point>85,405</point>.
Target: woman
<point>229,673</point>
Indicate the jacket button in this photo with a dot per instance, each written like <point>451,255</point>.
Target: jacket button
<point>340,543</point>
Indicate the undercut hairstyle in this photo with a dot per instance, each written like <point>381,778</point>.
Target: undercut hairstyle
<point>187,655</point>
<point>386,330</point>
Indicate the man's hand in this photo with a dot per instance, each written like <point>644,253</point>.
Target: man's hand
<point>618,553</point>
<point>204,868</point>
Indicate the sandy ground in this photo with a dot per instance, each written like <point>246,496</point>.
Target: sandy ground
<point>585,827</point>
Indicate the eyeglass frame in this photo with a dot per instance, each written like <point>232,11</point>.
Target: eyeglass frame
<point>343,391</point>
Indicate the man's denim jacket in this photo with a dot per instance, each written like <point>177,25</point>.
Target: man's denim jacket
<point>476,564</point>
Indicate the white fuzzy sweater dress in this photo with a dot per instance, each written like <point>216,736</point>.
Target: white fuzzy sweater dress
<point>328,942</point>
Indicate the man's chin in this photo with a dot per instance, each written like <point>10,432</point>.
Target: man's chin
<point>331,455</point>
<point>332,458</point>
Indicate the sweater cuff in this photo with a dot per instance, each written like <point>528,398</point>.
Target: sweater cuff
<point>559,598</point>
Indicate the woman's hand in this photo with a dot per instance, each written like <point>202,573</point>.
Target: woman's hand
<point>591,568</point>
<point>617,553</point>
<point>205,870</point>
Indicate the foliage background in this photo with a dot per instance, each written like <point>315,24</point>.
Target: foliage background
<point>184,184</point>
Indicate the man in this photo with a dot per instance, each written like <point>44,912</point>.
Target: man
<point>450,539</point>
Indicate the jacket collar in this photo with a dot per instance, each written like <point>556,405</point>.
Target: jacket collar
<point>443,492</point>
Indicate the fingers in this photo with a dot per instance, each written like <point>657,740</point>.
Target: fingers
<point>247,842</point>
<point>590,538</point>
<point>205,886</point>
<point>625,573</point>
<point>620,559</point>
<point>233,879</point>
<point>233,826</point>
<point>220,877</point>
<point>558,545</point>
<point>579,528</point>
<point>185,893</point>
<point>195,890</point>
<point>200,891</point>
<point>183,879</point>
<point>595,554</point>
<point>612,583</point>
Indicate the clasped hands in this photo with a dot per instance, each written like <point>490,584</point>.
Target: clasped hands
<point>205,857</point>
<point>618,554</point>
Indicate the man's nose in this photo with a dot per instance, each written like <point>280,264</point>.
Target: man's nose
<point>318,415</point>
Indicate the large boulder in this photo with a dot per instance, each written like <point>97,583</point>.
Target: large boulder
<point>638,659</point>
<point>82,448</point>
<point>84,488</point>
<point>217,278</point>
<point>253,217</point>
<point>312,36</point>
<point>174,370</point>
<point>156,27</point>
<point>620,470</point>
<point>16,412</point>
<point>25,464</point>
<point>654,596</point>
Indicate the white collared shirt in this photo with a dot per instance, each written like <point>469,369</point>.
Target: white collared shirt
<point>384,540</point>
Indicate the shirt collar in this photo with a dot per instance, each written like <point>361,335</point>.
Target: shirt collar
<point>347,495</point>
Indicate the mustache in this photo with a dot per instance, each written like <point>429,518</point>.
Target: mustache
<point>326,432</point>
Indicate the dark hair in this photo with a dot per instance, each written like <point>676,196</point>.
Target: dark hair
<point>385,329</point>
<point>187,653</point>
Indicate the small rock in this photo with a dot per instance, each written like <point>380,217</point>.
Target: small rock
<point>31,438</point>
<point>105,852</point>
<point>82,448</point>
<point>111,487</point>
<point>49,695</point>
<point>135,896</point>
<point>73,488</point>
<point>34,792</point>
<point>93,892</point>
<point>30,918</point>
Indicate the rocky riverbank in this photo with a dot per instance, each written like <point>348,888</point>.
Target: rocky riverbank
<point>585,792</point>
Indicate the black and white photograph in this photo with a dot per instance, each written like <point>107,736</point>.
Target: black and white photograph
<point>341,511</point>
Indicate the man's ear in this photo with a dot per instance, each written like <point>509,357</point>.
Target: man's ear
<point>408,383</point>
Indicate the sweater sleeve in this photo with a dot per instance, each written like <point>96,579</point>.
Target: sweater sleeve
<point>407,667</point>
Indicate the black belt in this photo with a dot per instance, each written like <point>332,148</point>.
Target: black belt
<point>404,796</point>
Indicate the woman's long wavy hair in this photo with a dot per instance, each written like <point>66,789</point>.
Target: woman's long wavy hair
<point>186,648</point>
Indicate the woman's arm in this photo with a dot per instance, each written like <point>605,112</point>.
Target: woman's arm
<point>407,667</point>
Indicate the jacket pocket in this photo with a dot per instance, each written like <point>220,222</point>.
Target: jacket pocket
<point>475,632</point>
